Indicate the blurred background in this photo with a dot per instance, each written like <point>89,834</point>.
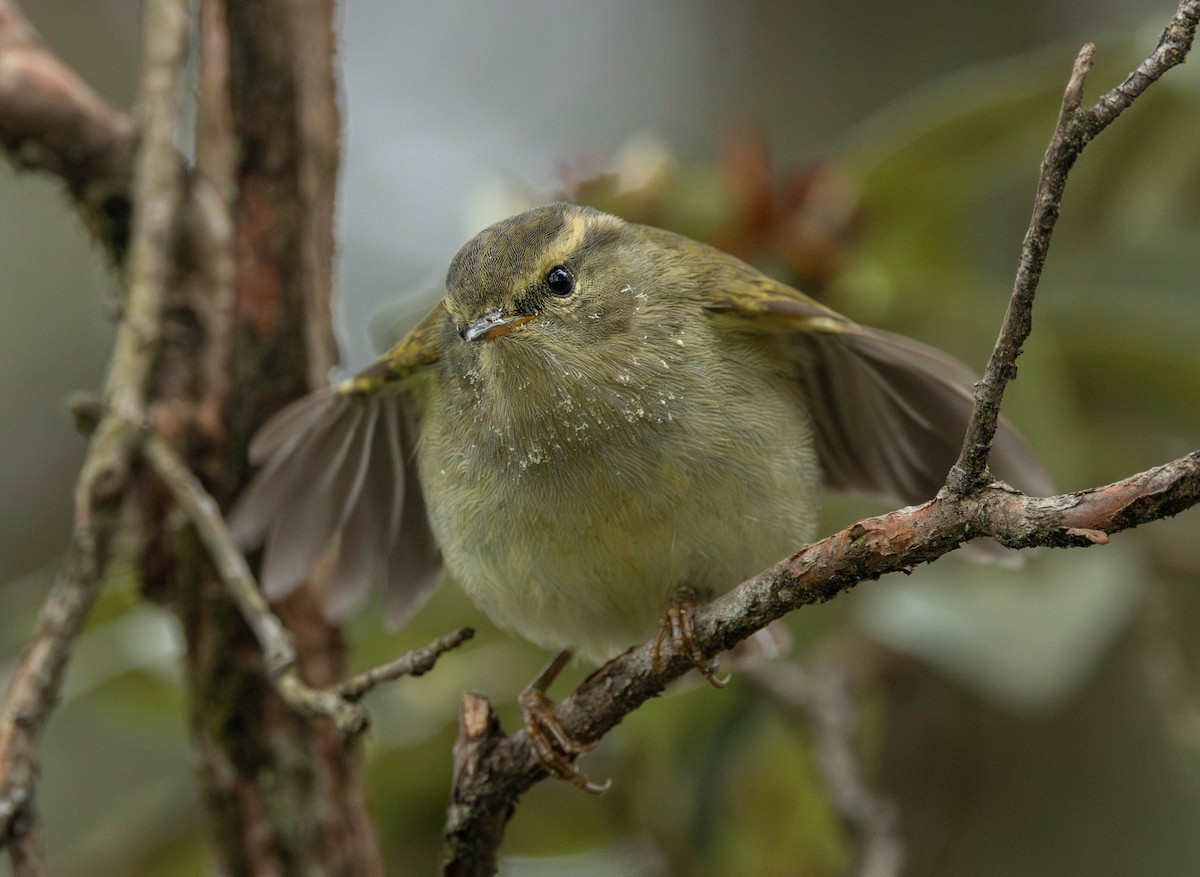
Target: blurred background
<point>880,156</point>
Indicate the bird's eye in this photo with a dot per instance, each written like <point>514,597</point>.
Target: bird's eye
<point>560,280</point>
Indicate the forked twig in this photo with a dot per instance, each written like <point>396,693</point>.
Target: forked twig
<point>1076,128</point>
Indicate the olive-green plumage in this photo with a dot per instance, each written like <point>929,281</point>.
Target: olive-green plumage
<point>598,414</point>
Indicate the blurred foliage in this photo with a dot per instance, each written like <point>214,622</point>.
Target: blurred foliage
<point>1042,721</point>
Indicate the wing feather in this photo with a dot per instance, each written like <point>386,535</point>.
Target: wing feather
<point>339,474</point>
<point>889,413</point>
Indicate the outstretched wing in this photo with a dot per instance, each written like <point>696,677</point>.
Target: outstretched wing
<point>339,475</point>
<point>889,413</point>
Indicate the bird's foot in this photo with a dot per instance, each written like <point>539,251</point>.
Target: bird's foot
<point>553,747</point>
<point>679,626</point>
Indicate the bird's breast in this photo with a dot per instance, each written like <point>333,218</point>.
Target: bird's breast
<point>571,506</point>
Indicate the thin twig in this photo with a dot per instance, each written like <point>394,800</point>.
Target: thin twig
<point>157,196</point>
<point>273,639</point>
<point>820,695</point>
<point>338,703</point>
<point>414,663</point>
<point>34,688</point>
<point>1076,127</point>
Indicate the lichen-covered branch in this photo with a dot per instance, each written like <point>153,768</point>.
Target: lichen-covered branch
<point>36,682</point>
<point>34,688</point>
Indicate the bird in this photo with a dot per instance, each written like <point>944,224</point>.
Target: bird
<point>600,421</point>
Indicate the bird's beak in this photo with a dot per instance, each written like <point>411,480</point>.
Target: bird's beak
<point>493,325</point>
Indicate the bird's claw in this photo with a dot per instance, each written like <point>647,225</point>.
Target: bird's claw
<point>679,626</point>
<point>554,749</point>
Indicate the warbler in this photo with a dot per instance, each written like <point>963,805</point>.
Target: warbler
<point>598,416</point>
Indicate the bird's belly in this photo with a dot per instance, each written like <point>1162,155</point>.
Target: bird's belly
<point>585,550</point>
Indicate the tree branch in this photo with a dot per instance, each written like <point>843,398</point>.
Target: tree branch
<point>34,687</point>
<point>1076,127</point>
<point>504,767</point>
<point>156,184</point>
<point>493,770</point>
<point>320,121</point>
<point>52,120</point>
<point>214,188</point>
